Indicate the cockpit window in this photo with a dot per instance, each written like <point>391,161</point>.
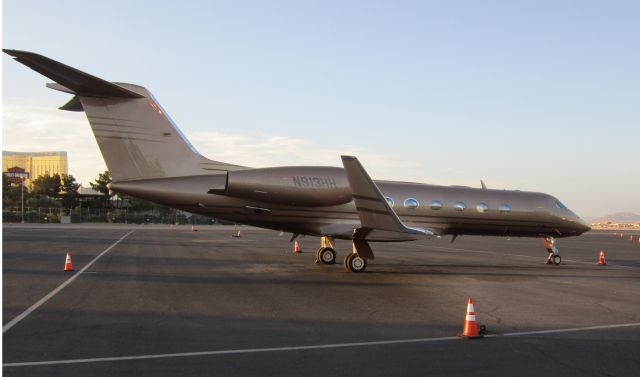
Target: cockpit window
<point>559,204</point>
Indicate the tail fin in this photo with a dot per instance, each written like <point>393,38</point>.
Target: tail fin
<point>137,138</point>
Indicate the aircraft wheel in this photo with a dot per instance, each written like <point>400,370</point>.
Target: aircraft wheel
<point>327,255</point>
<point>355,263</point>
<point>556,259</point>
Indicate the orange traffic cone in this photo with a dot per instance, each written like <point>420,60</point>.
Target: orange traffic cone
<point>470,330</point>
<point>630,238</point>
<point>621,235</point>
<point>236,234</point>
<point>67,264</point>
<point>296,248</point>
<point>193,228</point>
<point>601,260</point>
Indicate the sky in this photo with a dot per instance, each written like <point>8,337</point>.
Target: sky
<point>530,95</point>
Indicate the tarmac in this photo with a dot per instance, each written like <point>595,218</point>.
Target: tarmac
<point>157,300</point>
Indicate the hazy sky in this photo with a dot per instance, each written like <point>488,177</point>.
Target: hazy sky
<point>538,96</point>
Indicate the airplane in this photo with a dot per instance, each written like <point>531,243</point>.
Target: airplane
<point>150,158</point>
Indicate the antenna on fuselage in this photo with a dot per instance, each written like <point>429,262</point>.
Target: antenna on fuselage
<point>484,187</point>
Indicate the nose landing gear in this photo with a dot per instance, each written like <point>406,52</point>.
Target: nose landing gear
<point>554,256</point>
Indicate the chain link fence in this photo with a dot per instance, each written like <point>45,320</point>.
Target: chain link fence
<point>92,215</point>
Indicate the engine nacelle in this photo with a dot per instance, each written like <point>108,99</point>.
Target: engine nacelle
<point>290,185</point>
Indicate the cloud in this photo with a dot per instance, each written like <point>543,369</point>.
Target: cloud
<point>279,150</point>
<point>29,128</point>
<point>34,128</point>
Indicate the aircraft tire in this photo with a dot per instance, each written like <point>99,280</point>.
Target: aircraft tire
<point>326,255</point>
<point>556,259</point>
<point>355,263</point>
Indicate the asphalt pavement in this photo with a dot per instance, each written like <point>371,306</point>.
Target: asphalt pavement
<point>164,301</point>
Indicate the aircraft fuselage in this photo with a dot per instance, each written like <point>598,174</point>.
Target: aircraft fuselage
<point>280,205</point>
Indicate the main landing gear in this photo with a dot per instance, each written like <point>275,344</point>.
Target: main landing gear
<point>360,252</point>
<point>356,261</point>
<point>326,254</point>
<point>554,256</point>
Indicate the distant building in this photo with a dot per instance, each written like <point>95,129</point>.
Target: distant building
<point>35,163</point>
<point>88,192</point>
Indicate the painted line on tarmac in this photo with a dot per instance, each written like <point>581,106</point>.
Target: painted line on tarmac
<point>460,250</point>
<point>571,329</point>
<point>304,348</point>
<point>46,298</point>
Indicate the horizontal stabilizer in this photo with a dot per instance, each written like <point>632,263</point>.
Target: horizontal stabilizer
<point>74,104</point>
<point>62,88</point>
<point>374,211</point>
<point>71,79</point>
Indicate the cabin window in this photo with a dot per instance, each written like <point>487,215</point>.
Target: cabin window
<point>482,207</point>
<point>504,208</point>
<point>411,203</point>
<point>459,206</point>
<point>435,205</point>
<point>390,201</point>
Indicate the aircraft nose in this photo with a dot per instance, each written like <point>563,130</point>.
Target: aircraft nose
<point>575,225</point>
<point>582,226</point>
<point>585,227</point>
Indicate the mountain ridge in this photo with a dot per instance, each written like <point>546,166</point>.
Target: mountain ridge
<point>618,217</point>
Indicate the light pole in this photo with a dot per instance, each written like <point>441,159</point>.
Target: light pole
<point>23,177</point>
<point>22,198</point>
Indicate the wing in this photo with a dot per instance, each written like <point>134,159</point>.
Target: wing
<point>379,221</point>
